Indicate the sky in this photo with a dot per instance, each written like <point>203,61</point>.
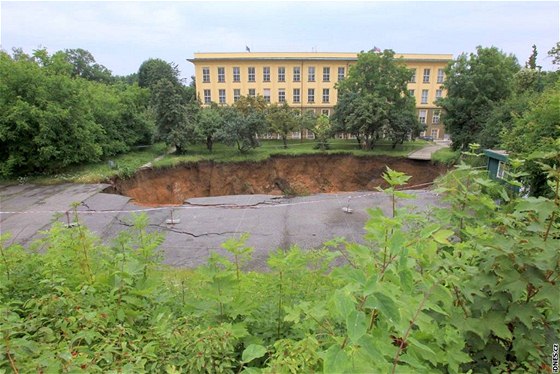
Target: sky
<point>123,34</point>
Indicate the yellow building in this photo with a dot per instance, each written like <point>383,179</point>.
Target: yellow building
<point>307,80</point>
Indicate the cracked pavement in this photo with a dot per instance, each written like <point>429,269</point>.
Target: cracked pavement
<point>205,223</point>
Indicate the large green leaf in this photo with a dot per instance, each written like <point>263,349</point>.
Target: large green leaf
<point>252,352</point>
<point>356,325</point>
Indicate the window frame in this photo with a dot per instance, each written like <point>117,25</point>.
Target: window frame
<point>236,74</point>
<point>426,75</point>
<point>266,73</point>
<point>281,74</point>
<point>311,73</point>
<point>205,75</point>
<point>251,74</point>
<point>221,74</point>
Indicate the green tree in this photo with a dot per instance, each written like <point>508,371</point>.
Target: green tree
<point>174,119</point>
<point>46,122</point>
<point>241,128</point>
<point>532,61</point>
<point>282,120</point>
<point>475,84</point>
<point>554,53</point>
<point>153,70</point>
<point>376,86</point>
<point>84,66</point>
<point>322,131</point>
<point>537,130</point>
<point>209,124</point>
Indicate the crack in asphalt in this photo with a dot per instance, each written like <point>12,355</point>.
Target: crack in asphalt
<point>160,226</point>
<point>237,206</point>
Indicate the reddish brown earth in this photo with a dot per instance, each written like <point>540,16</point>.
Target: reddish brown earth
<point>280,175</point>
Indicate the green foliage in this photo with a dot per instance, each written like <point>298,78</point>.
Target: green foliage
<point>208,125</point>
<point>54,118</point>
<point>475,84</point>
<point>241,126</point>
<point>322,131</point>
<point>153,70</point>
<point>446,156</point>
<point>537,130</point>
<point>373,100</point>
<point>471,287</point>
<point>282,120</point>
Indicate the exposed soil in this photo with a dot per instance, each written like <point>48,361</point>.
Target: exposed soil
<point>279,175</point>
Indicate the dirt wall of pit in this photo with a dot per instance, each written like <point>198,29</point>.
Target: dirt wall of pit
<point>278,175</point>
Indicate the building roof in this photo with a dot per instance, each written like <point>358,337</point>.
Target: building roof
<point>497,154</point>
<point>318,56</point>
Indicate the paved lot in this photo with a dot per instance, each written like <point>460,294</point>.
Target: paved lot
<point>426,153</point>
<point>272,221</point>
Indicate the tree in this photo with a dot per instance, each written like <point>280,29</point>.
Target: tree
<point>241,128</point>
<point>554,53</point>
<point>153,70</point>
<point>537,130</point>
<point>376,86</point>
<point>532,61</point>
<point>209,124</point>
<point>475,84</point>
<point>175,121</point>
<point>322,131</point>
<point>46,122</point>
<point>84,66</point>
<point>281,120</point>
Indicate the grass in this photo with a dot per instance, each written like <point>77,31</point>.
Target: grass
<point>446,156</point>
<point>223,153</point>
<point>97,172</point>
<point>127,164</point>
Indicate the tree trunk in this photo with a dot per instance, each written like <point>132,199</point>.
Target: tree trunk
<point>209,143</point>
<point>285,141</point>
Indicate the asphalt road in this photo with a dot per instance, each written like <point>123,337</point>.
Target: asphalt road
<point>205,223</point>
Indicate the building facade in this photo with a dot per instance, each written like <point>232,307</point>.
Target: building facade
<point>307,80</point>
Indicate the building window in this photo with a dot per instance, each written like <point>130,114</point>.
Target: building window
<point>435,133</point>
<point>435,117</point>
<point>296,95</point>
<point>310,134</point>
<point>426,77</point>
<point>326,95</point>
<point>297,74</point>
<point>326,74</point>
<point>236,94</point>
<point>221,75</point>
<point>281,74</point>
<point>311,74</point>
<point>440,76</point>
<point>205,75</point>
<point>341,73</point>
<point>222,96</point>
<point>236,74</point>
<point>266,94</point>
<point>411,93</point>
<point>310,95</point>
<point>413,78</point>
<point>266,74</point>
<point>207,97</point>
<point>325,112</point>
<point>281,95</point>
<point>252,92</point>
<point>422,116</point>
<point>438,94</point>
<point>251,74</point>
<point>296,135</point>
<point>424,99</point>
